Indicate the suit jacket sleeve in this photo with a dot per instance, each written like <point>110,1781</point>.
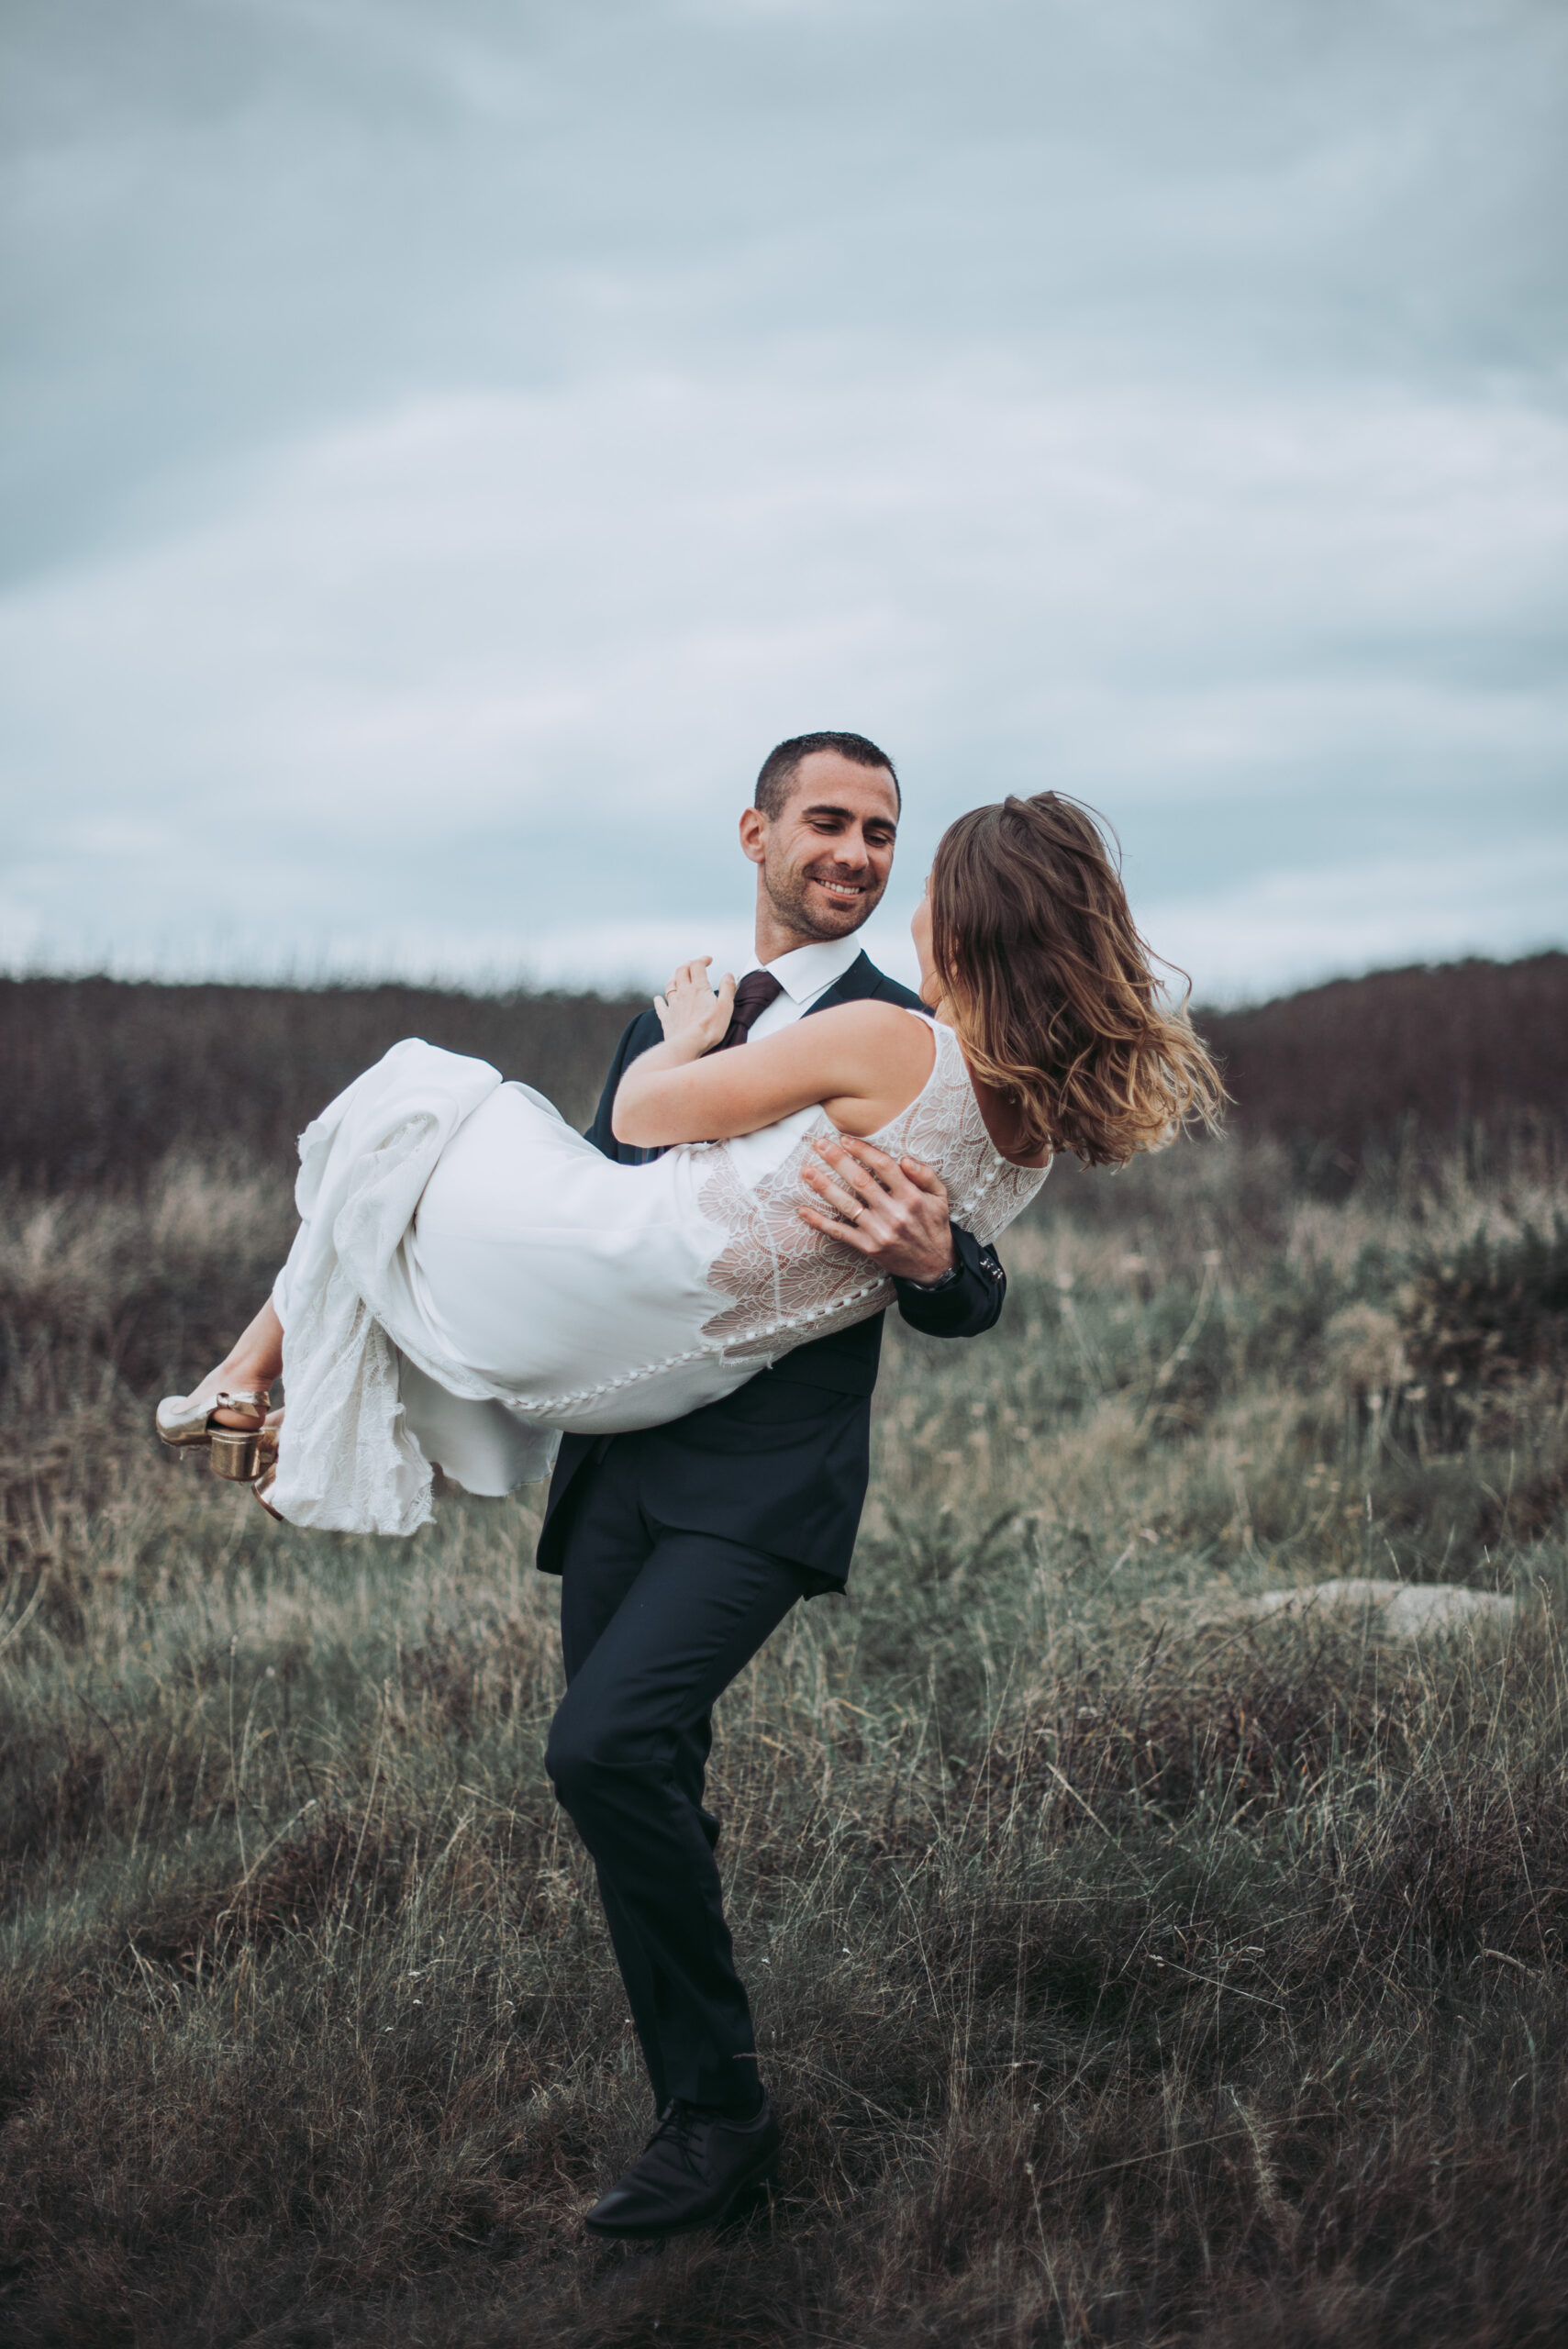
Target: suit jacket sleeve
<point>640,1036</point>
<point>970,1305</point>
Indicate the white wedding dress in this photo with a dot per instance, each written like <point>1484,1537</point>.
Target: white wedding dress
<point>471,1277</point>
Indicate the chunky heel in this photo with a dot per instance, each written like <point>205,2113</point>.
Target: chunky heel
<point>266,1474</point>
<point>231,1453</point>
<point>239,1455</point>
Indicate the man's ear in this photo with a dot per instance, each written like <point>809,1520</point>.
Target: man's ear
<point>754,834</point>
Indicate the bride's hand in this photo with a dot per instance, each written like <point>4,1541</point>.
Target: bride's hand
<point>693,1017</point>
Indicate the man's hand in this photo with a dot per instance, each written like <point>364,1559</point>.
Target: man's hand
<point>892,1210</point>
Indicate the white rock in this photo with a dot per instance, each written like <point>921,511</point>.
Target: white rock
<point>1408,1608</point>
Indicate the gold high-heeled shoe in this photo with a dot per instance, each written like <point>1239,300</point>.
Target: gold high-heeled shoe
<point>232,1453</point>
<point>266,1474</point>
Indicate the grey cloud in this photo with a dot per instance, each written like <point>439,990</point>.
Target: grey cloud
<point>487,412</point>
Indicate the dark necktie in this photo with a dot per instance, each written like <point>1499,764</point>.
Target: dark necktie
<point>752,997</point>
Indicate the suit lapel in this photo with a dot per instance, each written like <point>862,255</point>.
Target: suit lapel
<point>861,979</point>
<point>862,982</point>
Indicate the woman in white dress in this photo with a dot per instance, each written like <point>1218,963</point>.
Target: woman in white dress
<point>471,1277</point>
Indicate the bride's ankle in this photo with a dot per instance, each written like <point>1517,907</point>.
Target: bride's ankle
<point>251,1366</point>
<point>242,1376</point>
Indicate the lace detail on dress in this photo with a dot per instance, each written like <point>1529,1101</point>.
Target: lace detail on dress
<point>788,1281</point>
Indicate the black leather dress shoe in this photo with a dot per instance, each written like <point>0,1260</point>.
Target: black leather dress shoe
<point>696,2170</point>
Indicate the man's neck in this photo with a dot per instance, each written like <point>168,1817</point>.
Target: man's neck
<point>773,941</point>
<point>837,954</point>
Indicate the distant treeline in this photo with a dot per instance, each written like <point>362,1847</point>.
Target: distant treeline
<point>100,1078</point>
<point>1360,1062</point>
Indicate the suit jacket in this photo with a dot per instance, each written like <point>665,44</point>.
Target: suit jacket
<point>781,1465</point>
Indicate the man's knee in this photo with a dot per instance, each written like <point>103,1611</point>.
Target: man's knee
<point>585,1758</point>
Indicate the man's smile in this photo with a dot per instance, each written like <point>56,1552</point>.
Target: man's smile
<point>845,891</point>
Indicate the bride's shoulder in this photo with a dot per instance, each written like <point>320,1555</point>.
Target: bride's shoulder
<point>874,1015</point>
<point>881,1027</point>
<point>867,1053</point>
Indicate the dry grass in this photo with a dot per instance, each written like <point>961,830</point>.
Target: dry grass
<point>1123,1975</point>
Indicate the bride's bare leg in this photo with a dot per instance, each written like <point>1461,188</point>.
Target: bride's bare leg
<point>254,1362</point>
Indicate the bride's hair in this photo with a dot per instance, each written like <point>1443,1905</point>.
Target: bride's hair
<point>1051,990</point>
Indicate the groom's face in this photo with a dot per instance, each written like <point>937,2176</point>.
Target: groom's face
<point>826,857</point>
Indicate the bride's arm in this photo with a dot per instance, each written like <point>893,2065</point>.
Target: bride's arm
<point>864,1062</point>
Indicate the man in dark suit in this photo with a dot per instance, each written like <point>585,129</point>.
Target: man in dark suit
<point>681,1548</point>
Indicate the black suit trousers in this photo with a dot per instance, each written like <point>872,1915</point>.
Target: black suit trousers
<point>655,1622</point>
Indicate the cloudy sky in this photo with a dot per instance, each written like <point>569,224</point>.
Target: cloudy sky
<point>445,442</point>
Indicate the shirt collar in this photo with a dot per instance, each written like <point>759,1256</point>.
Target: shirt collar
<point>808,971</point>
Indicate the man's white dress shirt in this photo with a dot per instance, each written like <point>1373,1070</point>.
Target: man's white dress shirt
<point>805,973</point>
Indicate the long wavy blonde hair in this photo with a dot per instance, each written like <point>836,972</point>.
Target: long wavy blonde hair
<point>1051,990</point>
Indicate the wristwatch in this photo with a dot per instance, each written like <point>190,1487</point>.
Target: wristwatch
<point>935,1288</point>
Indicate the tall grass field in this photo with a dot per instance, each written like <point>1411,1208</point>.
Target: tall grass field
<point>1146,1947</point>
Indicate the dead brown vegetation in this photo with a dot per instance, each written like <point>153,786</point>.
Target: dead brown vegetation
<point>1127,1971</point>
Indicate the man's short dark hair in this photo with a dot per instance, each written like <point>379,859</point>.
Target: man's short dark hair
<point>779,766</point>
